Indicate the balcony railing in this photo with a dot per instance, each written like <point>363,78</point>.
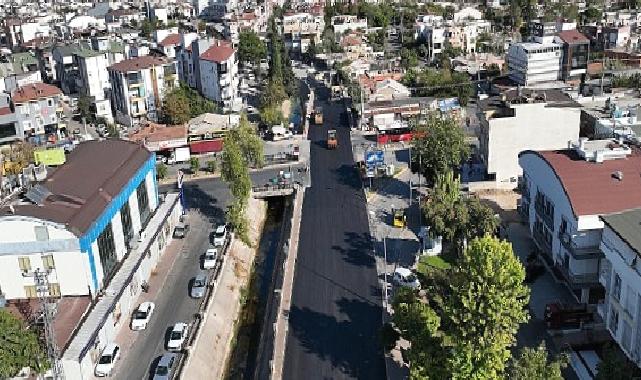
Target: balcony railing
<point>547,218</point>
<point>579,252</point>
<point>542,243</point>
<point>584,278</point>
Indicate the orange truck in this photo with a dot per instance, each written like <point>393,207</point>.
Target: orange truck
<point>332,143</point>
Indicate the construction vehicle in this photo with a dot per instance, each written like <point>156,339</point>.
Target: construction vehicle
<point>400,219</point>
<point>562,316</point>
<point>332,143</point>
<point>318,116</point>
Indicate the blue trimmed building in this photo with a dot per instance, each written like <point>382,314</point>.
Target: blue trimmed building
<point>80,222</point>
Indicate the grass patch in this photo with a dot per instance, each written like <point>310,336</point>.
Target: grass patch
<point>434,262</point>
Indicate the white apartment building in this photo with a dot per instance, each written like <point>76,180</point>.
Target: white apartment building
<point>345,23</point>
<point>564,194</point>
<point>620,275</point>
<point>36,108</point>
<point>138,86</point>
<point>93,80</point>
<point>219,75</point>
<point>299,29</point>
<point>531,63</point>
<point>523,120</point>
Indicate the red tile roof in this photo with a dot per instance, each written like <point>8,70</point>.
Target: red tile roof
<point>34,91</point>
<point>138,63</point>
<point>171,40</point>
<point>591,187</point>
<point>573,36</point>
<point>5,111</point>
<point>218,53</point>
<point>153,132</point>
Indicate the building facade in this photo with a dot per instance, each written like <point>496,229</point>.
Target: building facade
<point>36,108</point>
<point>531,63</point>
<point>219,74</point>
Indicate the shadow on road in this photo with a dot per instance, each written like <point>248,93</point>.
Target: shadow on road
<point>356,249</point>
<point>348,175</point>
<point>324,335</point>
<point>201,200</point>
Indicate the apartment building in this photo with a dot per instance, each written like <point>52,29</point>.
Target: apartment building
<point>301,28</point>
<point>138,86</point>
<point>219,74</point>
<point>576,49</point>
<point>8,121</point>
<point>93,80</point>
<point>345,23</point>
<point>36,106</point>
<point>532,63</point>
<point>620,275</point>
<point>564,195</point>
<point>521,120</point>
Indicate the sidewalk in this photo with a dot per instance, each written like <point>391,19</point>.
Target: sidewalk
<point>209,354</point>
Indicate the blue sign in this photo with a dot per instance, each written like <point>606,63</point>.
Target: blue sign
<point>374,158</point>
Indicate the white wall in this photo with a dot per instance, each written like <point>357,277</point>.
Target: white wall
<point>534,127</point>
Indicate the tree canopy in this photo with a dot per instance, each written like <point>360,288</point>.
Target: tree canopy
<point>533,363</point>
<point>439,147</point>
<point>439,83</point>
<point>19,347</point>
<point>250,47</point>
<point>182,103</point>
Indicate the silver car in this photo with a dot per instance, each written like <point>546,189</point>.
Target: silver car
<point>165,368</point>
<point>198,286</point>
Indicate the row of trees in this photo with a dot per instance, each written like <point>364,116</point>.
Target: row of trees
<point>250,47</point>
<point>439,83</point>
<point>183,103</point>
<point>243,149</point>
<point>20,347</point>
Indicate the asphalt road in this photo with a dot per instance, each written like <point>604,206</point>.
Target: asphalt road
<point>336,311</point>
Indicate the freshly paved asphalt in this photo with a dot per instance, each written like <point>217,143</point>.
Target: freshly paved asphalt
<point>336,311</point>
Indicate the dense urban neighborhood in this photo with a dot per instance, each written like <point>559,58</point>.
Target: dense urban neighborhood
<point>320,189</point>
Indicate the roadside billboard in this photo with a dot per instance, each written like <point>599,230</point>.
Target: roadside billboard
<point>50,157</point>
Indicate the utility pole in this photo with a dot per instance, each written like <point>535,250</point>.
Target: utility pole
<point>41,280</point>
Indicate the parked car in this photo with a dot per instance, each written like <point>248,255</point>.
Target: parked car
<point>181,230</point>
<point>198,286</point>
<point>209,258</point>
<point>142,315</point>
<point>220,236</point>
<point>405,277</point>
<point>107,359</point>
<point>165,368</point>
<point>178,336</point>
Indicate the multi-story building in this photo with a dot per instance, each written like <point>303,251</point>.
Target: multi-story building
<point>8,121</point>
<point>576,49</point>
<point>138,86</point>
<point>531,63</point>
<point>620,275</point>
<point>345,23</point>
<point>219,74</point>
<point>301,28</point>
<point>521,120</point>
<point>93,80</point>
<point>36,106</point>
<point>564,194</point>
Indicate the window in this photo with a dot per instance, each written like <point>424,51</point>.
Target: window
<point>616,287</point>
<point>50,102</point>
<point>48,263</point>
<point>630,296</point>
<point>30,291</point>
<point>143,203</point>
<point>107,250</point>
<point>614,321</point>
<point>41,233</point>
<point>24,263</point>
<point>54,290</point>
<point>564,226</point>
<point>127,225</point>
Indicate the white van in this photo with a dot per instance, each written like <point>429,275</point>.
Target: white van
<point>280,133</point>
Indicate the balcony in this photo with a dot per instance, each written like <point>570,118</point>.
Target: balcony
<point>577,251</point>
<point>524,210</point>
<point>543,244</point>
<point>547,218</point>
<point>576,279</point>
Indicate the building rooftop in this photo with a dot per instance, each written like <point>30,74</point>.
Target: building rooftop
<point>573,37</point>
<point>218,53</point>
<point>78,192</point>
<point>138,63</point>
<point>592,188</point>
<point>34,91</point>
<point>171,40</point>
<point>627,225</point>
<point>153,132</point>
<point>507,98</point>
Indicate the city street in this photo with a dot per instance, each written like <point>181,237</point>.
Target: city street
<point>336,312</point>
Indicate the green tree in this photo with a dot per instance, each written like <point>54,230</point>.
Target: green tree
<point>533,363</point>
<point>19,347</point>
<point>211,166</point>
<point>84,108</point>
<point>194,165</point>
<point>250,47</point>
<point>271,115</point>
<point>176,108</point>
<point>409,58</point>
<point>481,219</point>
<point>444,208</point>
<point>251,145</point>
<point>483,311</point>
<point>439,147</point>
<point>616,366</point>
<point>592,14</point>
<point>161,170</point>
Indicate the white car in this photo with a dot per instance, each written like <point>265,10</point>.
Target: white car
<point>107,359</point>
<point>405,277</point>
<point>142,315</point>
<point>220,235</point>
<point>177,336</point>
<point>210,257</point>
